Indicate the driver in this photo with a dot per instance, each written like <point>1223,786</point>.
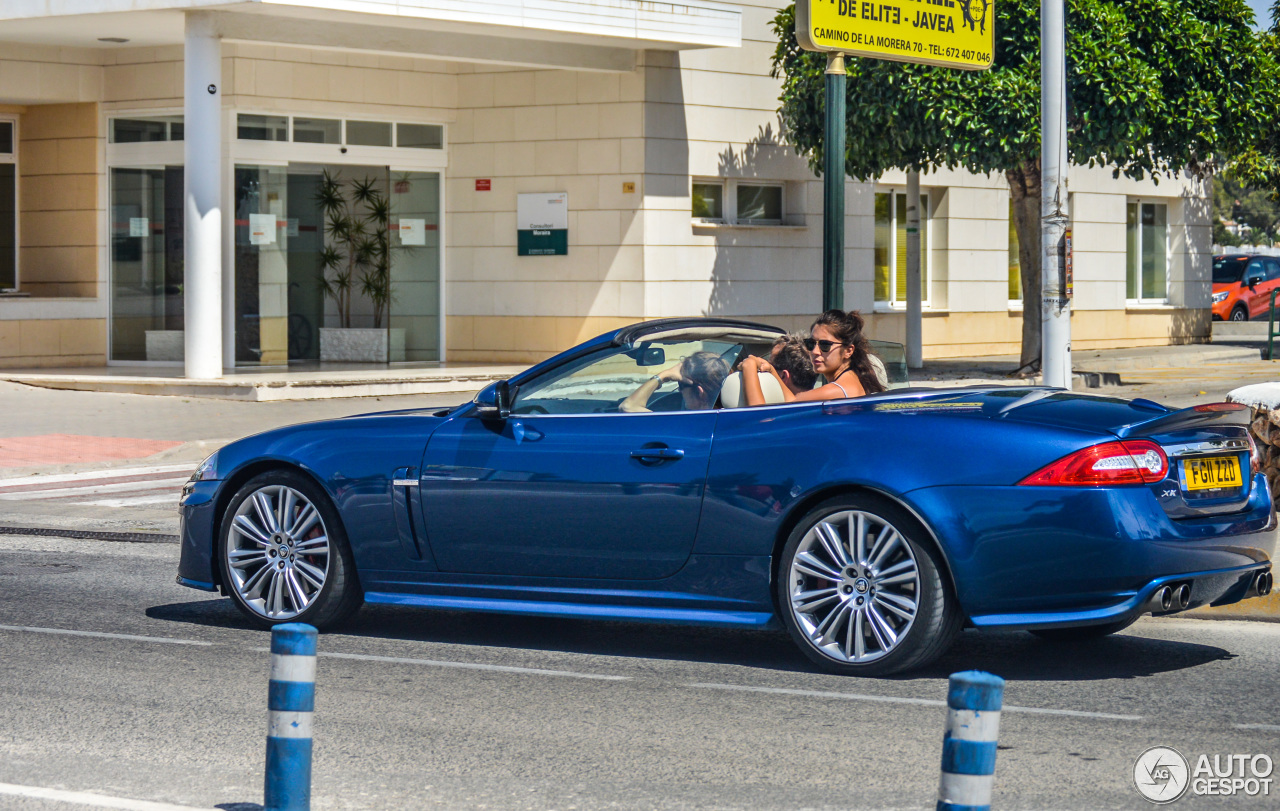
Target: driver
<point>699,377</point>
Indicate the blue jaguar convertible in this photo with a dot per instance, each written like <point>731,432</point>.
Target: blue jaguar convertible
<point>873,529</point>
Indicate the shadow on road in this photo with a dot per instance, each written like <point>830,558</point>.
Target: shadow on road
<point>1014,655</point>
<point>1019,656</point>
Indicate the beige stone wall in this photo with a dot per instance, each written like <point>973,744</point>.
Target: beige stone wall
<point>60,169</point>
<point>53,342</point>
<point>544,131</point>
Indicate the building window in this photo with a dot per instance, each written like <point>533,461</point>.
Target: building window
<point>8,205</point>
<point>420,136</point>
<point>759,204</point>
<point>738,202</point>
<point>1147,249</point>
<point>150,130</point>
<point>708,201</point>
<point>317,131</point>
<point>369,133</point>
<point>251,127</point>
<point>891,248</point>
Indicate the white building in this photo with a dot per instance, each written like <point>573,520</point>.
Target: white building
<point>657,120</point>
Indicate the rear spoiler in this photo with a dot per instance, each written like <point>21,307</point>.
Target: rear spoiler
<point>1201,416</point>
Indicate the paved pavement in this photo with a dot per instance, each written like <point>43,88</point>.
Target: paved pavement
<point>118,682</point>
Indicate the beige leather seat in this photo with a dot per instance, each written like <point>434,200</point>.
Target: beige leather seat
<point>732,395</point>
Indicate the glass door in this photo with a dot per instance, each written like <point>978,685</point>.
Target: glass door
<point>415,266</point>
<point>146,263</point>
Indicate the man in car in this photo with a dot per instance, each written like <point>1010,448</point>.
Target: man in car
<point>793,363</point>
<point>699,377</point>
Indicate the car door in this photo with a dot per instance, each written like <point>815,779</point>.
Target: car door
<point>1271,282</point>
<point>1256,273</point>
<point>568,486</point>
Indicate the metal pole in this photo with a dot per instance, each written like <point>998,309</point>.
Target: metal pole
<point>915,286</point>
<point>833,147</point>
<point>291,701</point>
<point>1055,306</point>
<point>202,208</point>
<point>969,747</point>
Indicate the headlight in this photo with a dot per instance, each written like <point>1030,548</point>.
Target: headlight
<point>207,471</point>
<point>1218,298</point>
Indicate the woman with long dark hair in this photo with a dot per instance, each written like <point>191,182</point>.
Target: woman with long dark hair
<point>841,354</point>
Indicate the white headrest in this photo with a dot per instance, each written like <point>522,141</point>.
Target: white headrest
<point>732,395</point>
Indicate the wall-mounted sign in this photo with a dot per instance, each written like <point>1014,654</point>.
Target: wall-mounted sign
<point>262,229</point>
<point>628,188</point>
<point>948,33</point>
<point>139,227</point>
<point>413,232</point>
<point>484,184</point>
<point>542,221</point>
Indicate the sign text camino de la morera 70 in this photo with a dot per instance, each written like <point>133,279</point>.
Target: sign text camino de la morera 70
<point>947,33</point>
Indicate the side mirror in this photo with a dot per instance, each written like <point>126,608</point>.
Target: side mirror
<point>494,401</point>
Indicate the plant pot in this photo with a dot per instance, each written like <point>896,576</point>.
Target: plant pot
<point>362,345</point>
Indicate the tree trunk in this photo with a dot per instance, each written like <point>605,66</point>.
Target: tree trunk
<point>1024,186</point>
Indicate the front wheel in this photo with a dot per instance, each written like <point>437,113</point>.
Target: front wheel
<point>1240,313</point>
<point>861,594</point>
<point>284,554</point>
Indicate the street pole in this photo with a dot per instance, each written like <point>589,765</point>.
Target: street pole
<point>1055,305</point>
<point>915,288</point>
<point>833,147</point>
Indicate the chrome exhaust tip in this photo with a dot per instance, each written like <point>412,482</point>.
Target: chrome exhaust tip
<point>1183,596</point>
<point>1161,600</point>
<point>1264,584</point>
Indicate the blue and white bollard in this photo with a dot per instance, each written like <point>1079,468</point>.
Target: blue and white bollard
<point>291,699</point>
<point>969,746</point>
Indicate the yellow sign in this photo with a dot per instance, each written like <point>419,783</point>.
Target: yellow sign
<point>948,33</point>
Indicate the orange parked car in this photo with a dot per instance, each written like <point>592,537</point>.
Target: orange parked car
<point>1242,286</point>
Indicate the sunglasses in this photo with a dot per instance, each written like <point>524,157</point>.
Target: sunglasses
<point>823,346</point>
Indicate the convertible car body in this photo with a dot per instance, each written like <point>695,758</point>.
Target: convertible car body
<point>873,528</point>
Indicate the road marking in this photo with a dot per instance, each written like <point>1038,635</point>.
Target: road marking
<point>101,635</point>
<point>168,483</point>
<point>86,475</point>
<point>134,501</point>
<point>926,702</point>
<point>1264,727</point>
<point>89,798</point>
<point>472,666</point>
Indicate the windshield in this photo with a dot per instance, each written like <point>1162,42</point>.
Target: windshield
<point>1228,269</point>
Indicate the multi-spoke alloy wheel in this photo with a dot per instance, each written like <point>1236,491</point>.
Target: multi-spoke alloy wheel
<point>281,557</point>
<point>860,594</point>
<point>854,586</point>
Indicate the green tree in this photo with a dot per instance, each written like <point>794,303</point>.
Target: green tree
<point>1155,88</point>
<point>357,244</point>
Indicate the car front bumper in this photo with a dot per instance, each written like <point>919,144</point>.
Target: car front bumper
<point>196,567</point>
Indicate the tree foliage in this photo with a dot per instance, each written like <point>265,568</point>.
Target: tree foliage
<point>1155,88</point>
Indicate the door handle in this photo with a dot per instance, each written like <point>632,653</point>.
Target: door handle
<point>657,453</point>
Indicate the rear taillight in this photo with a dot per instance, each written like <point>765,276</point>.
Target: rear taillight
<point>1133,461</point>
<point>1255,457</point>
<point>1213,408</point>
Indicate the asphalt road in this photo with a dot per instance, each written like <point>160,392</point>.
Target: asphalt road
<point>158,693</point>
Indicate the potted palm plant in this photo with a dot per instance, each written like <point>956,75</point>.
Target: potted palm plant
<point>356,258</point>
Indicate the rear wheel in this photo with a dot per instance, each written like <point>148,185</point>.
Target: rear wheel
<point>861,594</point>
<point>284,554</point>
<point>1083,633</point>
<point>1240,313</point>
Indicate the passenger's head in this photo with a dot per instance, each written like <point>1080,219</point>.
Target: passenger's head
<point>702,374</point>
<point>837,343</point>
<point>793,363</point>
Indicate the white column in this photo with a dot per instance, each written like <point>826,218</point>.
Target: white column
<point>1055,307</point>
<point>202,208</point>
<point>915,290</point>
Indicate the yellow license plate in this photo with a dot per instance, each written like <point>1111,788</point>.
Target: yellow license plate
<point>1211,473</point>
